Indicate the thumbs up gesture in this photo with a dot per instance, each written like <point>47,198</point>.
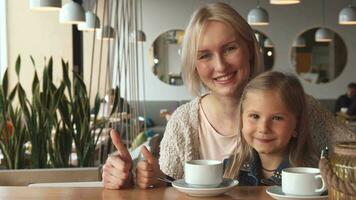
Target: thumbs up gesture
<point>117,168</point>
<point>148,170</point>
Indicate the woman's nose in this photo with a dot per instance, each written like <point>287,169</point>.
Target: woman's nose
<point>220,63</point>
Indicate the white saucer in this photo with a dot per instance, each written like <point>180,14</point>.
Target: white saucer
<point>276,193</point>
<point>184,187</point>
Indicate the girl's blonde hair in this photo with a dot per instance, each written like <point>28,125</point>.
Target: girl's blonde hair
<point>222,13</point>
<point>290,90</point>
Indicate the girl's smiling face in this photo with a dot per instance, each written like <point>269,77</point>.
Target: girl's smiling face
<point>267,124</point>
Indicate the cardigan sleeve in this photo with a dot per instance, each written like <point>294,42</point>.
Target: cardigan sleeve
<point>180,141</point>
<point>171,149</point>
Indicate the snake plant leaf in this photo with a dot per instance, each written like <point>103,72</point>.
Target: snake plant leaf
<point>97,103</point>
<point>80,84</point>
<point>6,155</point>
<point>35,83</point>
<point>50,69</point>
<point>12,94</point>
<point>45,79</point>
<point>2,105</point>
<point>64,111</point>
<point>18,66</point>
<point>65,69</point>
<point>116,101</point>
<point>22,99</point>
<point>5,83</point>
<point>33,61</point>
<point>58,96</point>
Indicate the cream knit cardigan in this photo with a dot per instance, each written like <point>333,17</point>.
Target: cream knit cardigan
<point>180,142</point>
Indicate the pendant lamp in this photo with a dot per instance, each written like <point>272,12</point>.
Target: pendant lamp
<point>106,33</point>
<point>258,16</point>
<point>91,22</point>
<point>284,2</point>
<point>323,35</point>
<point>347,16</point>
<point>71,13</point>
<point>140,36</point>
<point>45,5</point>
<point>299,42</point>
<point>268,43</point>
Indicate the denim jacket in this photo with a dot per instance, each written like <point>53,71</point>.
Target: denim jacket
<point>251,173</point>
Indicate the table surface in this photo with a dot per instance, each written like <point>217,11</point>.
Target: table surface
<point>39,193</point>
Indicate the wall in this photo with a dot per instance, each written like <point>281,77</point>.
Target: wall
<point>41,35</point>
<point>38,34</point>
<point>286,23</point>
<point>3,42</point>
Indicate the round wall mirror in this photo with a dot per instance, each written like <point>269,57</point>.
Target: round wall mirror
<point>267,49</point>
<point>165,57</point>
<point>318,55</point>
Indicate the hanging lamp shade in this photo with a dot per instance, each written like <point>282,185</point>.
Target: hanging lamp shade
<point>71,13</point>
<point>140,36</point>
<point>91,22</point>
<point>323,35</point>
<point>284,2</point>
<point>258,17</point>
<point>45,5</point>
<point>106,33</point>
<point>347,16</point>
<point>299,42</point>
<point>268,43</point>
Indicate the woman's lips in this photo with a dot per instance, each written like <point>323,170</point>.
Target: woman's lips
<point>225,78</point>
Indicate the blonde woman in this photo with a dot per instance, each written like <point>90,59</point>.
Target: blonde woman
<point>274,130</point>
<point>220,55</point>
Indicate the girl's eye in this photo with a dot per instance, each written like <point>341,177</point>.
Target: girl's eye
<point>254,116</point>
<point>229,49</point>
<point>277,118</point>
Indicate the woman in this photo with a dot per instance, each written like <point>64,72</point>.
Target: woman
<point>220,55</point>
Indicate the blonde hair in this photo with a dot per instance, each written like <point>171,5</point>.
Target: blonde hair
<point>222,13</point>
<point>290,90</point>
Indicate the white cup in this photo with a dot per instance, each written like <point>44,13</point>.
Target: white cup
<point>303,181</point>
<point>343,109</point>
<point>203,173</point>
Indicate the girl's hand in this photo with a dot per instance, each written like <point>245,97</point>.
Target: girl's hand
<point>117,169</point>
<point>148,171</point>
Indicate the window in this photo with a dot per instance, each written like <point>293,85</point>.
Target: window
<point>3,42</point>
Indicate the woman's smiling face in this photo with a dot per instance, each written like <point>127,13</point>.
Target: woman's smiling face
<point>222,59</point>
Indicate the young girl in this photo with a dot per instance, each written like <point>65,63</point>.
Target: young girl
<point>274,130</point>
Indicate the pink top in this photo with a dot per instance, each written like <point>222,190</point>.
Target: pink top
<point>213,145</point>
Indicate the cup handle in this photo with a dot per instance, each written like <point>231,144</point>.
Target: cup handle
<point>323,187</point>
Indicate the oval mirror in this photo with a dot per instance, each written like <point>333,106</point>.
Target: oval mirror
<point>318,55</point>
<point>165,57</point>
<point>267,49</point>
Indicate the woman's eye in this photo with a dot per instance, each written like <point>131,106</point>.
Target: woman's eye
<point>203,56</point>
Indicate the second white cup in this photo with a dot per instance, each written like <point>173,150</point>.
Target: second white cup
<point>303,181</point>
<point>203,173</point>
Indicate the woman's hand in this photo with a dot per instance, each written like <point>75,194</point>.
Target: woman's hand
<point>148,170</point>
<point>117,169</point>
